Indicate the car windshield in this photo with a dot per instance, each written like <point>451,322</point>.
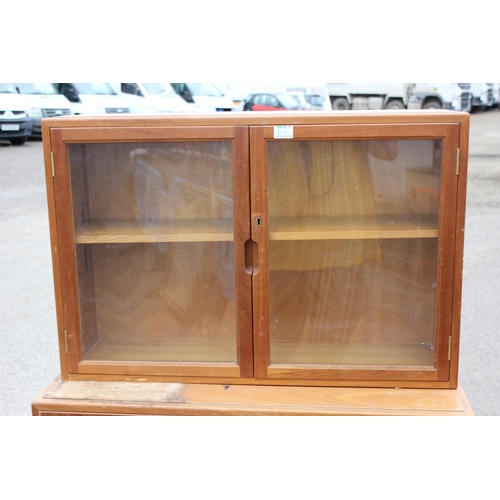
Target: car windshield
<point>206,89</point>
<point>36,88</point>
<point>159,89</point>
<point>314,100</point>
<point>94,88</point>
<point>7,88</point>
<point>288,101</point>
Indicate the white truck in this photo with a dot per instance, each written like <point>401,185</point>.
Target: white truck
<point>454,96</point>
<point>44,102</point>
<point>482,96</point>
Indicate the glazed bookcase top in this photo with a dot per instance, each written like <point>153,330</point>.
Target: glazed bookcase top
<point>207,248</point>
<point>263,118</point>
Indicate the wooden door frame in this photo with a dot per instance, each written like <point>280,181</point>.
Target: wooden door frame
<point>67,300</point>
<point>450,135</point>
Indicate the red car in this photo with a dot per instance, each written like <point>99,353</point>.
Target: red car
<point>271,102</point>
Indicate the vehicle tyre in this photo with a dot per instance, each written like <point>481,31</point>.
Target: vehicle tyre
<point>395,104</point>
<point>432,104</point>
<point>18,141</point>
<point>340,104</point>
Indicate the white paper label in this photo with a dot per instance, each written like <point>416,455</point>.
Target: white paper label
<point>283,132</point>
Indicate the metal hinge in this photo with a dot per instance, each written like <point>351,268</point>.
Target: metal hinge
<point>449,348</point>
<point>458,160</point>
<point>53,164</point>
<point>66,340</point>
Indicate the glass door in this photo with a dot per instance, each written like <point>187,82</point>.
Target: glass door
<point>155,227</point>
<point>355,277</point>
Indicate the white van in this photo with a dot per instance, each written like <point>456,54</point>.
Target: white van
<point>92,98</point>
<point>44,102</point>
<point>237,92</point>
<point>15,122</point>
<point>206,96</point>
<point>152,98</point>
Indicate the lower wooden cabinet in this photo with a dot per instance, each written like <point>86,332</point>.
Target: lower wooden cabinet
<point>82,398</point>
<point>259,249</point>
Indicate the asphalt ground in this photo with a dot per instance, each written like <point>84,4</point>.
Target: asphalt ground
<point>29,358</point>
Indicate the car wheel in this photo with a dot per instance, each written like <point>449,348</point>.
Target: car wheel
<point>432,104</point>
<point>395,104</point>
<point>340,104</point>
<point>18,141</point>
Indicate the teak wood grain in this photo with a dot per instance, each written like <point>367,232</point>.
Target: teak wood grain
<point>262,118</point>
<point>459,248</point>
<point>136,398</point>
<point>253,234</point>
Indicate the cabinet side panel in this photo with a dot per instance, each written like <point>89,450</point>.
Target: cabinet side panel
<point>459,248</point>
<point>70,326</point>
<point>49,144</point>
<point>446,257</point>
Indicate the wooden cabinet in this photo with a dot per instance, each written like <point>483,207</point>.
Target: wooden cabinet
<point>268,249</point>
<point>69,397</point>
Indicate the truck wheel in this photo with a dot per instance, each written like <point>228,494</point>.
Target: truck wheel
<point>432,104</point>
<point>395,104</point>
<point>340,104</point>
<point>18,141</point>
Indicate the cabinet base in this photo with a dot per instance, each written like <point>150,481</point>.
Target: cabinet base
<point>146,398</point>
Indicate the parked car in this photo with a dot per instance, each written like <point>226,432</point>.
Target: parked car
<point>312,102</point>
<point>44,102</point>
<point>92,98</point>
<point>15,122</point>
<point>271,102</point>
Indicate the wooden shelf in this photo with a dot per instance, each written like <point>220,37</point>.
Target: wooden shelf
<point>163,350</point>
<point>280,229</point>
<point>187,230</point>
<point>281,352</point>
<point>349,228</point>
<point>390,354</point>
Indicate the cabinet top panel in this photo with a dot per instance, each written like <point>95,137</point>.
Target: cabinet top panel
<point>262,118</point>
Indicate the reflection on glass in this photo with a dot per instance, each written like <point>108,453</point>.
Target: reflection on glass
<point>353,251</point>
<point>154,248</point>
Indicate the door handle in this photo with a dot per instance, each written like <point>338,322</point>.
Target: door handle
<point>251,257</point>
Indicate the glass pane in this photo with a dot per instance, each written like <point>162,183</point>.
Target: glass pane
<point>154,250</point>
<point>353,251</point>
